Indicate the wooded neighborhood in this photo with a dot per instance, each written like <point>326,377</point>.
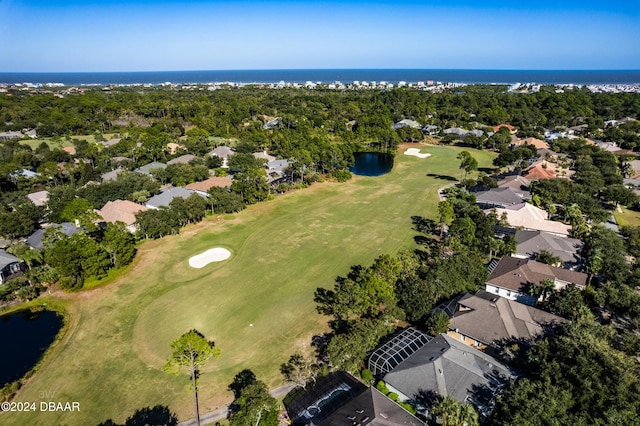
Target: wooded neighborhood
<point>504,293</point>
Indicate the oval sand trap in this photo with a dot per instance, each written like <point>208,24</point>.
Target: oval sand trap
<point>217,254</point>
<point>416,153</point>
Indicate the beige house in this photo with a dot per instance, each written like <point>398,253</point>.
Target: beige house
<point>121,211</point>
<point>528,216</point>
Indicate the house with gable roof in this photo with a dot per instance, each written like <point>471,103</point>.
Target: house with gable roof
<point>441,366</point>
<point>223,152</point>
<point>530,243</point>
<point>528,216</point>
<point>484,320</point>
<point>121,211</point>
<point>10,266</point>
<point>514,278</point>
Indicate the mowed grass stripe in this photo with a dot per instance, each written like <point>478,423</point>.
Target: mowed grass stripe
<point>110,360</point>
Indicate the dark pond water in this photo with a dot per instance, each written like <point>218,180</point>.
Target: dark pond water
<point>371,163</point>
<point>25,336</point>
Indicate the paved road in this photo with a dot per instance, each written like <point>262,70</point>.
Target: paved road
<point>221,412</point>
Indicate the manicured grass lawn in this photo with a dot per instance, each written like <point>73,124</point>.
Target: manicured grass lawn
<point>111,358</point>
<point>627,217</point>
<point>63,142</point>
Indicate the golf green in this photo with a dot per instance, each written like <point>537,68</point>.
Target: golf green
<point>256,305</point>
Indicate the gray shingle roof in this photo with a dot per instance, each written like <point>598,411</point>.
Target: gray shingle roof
<point>529,243</point>
<point>35,240</point>
<point>112,175</point>
<point>488,318</point>
<point>7,259</point>
<point>499,197</point>
<point>371,408</point>
<point>146,169</point>
<point>222,152</point>
<point>164,198</point>
<point>448,367</point>
<point>183,159</point>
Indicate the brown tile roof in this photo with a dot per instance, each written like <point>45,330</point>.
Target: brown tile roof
<point>121,211</point>
<point>538,172</point>
<point>517,274</point>
<point>489,318</point>
<point>538,143</point>
<point>508,126</point>
<point>205,185</point>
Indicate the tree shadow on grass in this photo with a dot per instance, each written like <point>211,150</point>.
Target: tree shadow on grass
<point>160,415</point>
<point>487,170</point>
<point>424,225</point>
<point>442,177</point>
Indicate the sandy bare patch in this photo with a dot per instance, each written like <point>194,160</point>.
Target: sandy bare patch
<point>416,153</point>
<point>217,254</point>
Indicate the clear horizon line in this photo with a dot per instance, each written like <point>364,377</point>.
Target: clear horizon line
<point>333,69</point>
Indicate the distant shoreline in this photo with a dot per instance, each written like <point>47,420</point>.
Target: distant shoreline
<point>327,76</point>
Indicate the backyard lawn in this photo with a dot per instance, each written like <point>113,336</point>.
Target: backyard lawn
<point>257,306</point>
<point>626,217</point>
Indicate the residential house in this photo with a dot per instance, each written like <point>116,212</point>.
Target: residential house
<point>121,211</point>
<point>430,129</point>
<point>579,129</point>
<point>511,128</point>
<point>35,240</point>
<point>165,197</point>
<point>455,131</point>
<point>223,152</point>
<point>10,266</point>
<point>519,184</point>
<point>264,156</point>
<point>406,123</point>
<point>203,186</point>
<point>24,173</point>
<point>498,197</point>
<point>340,400</point>
<point>530,243</point>
<point>111,142</point>
<point>183,159</point>
<point>173,147</point>
<point>476,132</point>
<point>539,171</point>
<point>528,216</point>
<point>538,143</point>
<point>147,168</point>
<point>543,169</point>
<point>112,175</point>
<point>514,278</point>
<point>444,366</point>
<point>39,198</point>
<point>7,136</point>
<point>635,165</point>
<point>275,122</point>
<point>276,169</point>
<point>486,321</point>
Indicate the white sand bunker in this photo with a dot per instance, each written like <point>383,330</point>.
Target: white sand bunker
<point>416,153</point>
<point>217,254</point>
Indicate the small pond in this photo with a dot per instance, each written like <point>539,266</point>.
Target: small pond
<point>25,336</point>
<point>371,163</point>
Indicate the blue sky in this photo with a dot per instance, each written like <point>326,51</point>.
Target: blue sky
<point>143,35</point>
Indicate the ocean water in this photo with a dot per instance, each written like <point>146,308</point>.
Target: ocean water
<point>330,76</point>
